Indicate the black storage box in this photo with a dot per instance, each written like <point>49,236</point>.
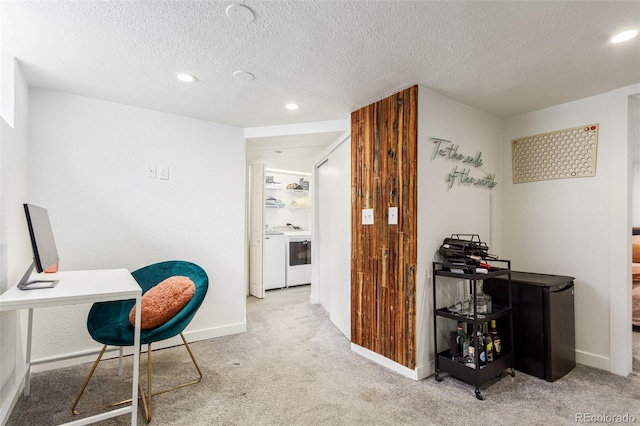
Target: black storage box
<point>543,321</point>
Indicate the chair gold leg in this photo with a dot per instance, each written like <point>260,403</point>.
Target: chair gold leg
<point>195,363</point>
<point>86,381</point>
<point>147,396</point>
<point>193,358</point>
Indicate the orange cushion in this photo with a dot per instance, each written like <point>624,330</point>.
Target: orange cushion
<point>163,301</point>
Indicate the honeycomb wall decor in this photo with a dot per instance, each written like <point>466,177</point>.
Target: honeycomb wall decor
<point>563,154</point>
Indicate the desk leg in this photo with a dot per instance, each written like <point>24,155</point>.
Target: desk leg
<point>27,376</point>
<point>136,363</point>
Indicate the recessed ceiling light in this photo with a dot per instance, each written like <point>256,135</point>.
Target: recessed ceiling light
<point>292,106</point>
<point>244,75</point>
<point>187,78</point>
<point>240,13</point>
<point>624,36</point>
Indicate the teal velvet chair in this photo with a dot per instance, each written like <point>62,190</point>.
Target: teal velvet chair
<point>108,323</point>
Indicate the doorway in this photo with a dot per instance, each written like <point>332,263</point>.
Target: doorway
<point>282,148</point>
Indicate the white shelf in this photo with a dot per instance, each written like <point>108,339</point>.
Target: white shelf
<point>302,191</point>
<point>287,207</point>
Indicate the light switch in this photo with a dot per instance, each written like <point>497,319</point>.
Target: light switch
<point>151,170</point>
<point>367,216</point>
<point>393,215</point>
<point>164,172</point>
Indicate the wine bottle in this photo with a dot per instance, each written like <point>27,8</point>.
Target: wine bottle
<point>497,342</point>
<point>482,349</point>
<point>463,344</point>
<point>488,340</point>
<point>481,360</point>
<point>454,349</point>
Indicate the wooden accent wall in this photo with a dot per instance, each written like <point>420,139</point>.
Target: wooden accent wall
<point>383,256</point>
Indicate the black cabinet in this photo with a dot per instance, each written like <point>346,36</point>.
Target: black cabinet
<point>475,375</point>
<point>543,321</point>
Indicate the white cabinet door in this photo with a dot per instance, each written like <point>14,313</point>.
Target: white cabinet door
<point>274,262</point>
<point>256,229</point>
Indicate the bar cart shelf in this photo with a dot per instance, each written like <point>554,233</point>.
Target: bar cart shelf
<point>475,375</point>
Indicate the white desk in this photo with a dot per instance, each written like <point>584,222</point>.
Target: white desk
<point>81,287</point>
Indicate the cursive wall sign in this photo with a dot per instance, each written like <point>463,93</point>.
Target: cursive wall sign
<point>447,150</point>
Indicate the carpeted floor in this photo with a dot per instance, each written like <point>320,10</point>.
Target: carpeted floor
<point>293,367</point>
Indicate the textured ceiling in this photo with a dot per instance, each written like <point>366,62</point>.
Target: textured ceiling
<point>297,151</point>
<point>332,57</point>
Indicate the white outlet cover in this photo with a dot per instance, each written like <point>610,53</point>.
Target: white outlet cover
<point>367,216</point>
<point>164,172</point>
<point>151,170</point>
<point>393,215</point>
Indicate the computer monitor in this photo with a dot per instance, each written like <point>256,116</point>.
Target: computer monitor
<point>43,245</point>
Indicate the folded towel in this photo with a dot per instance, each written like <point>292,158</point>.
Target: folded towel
<point>304,202</point>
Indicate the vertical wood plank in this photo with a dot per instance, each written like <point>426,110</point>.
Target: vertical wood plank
<point>383,256</point>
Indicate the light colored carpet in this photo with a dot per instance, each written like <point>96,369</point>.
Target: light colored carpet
<point>293,367</point>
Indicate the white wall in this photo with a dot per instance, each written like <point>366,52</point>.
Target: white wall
<point>8,89</point>
<point>443,210</point>
<point>332,239</point>
<point>578,227</point>
<point>15,254</point>
<point>87,167</point>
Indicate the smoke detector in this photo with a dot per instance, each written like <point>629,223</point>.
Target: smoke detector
<point>243,75</point>
<point>240,13</point>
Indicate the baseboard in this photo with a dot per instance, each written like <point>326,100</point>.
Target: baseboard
<point>592,360</point>
<point>76,358</point>
<point>426,370</point>
<point>211,333</point>
<point>385,362</point>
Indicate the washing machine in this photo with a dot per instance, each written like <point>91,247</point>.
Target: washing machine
<point>298,258</point>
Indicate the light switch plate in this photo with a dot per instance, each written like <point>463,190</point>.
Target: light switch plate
<point>393,215</point>
<point>151,170</point>
<point>164,172</point>
<point>367,216</point>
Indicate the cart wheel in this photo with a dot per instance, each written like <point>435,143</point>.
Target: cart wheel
<point>479,395</point>
<point>438,378</point>
<point>513,372</point>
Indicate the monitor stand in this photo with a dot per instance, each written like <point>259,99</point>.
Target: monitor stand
<point>25,284</point>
